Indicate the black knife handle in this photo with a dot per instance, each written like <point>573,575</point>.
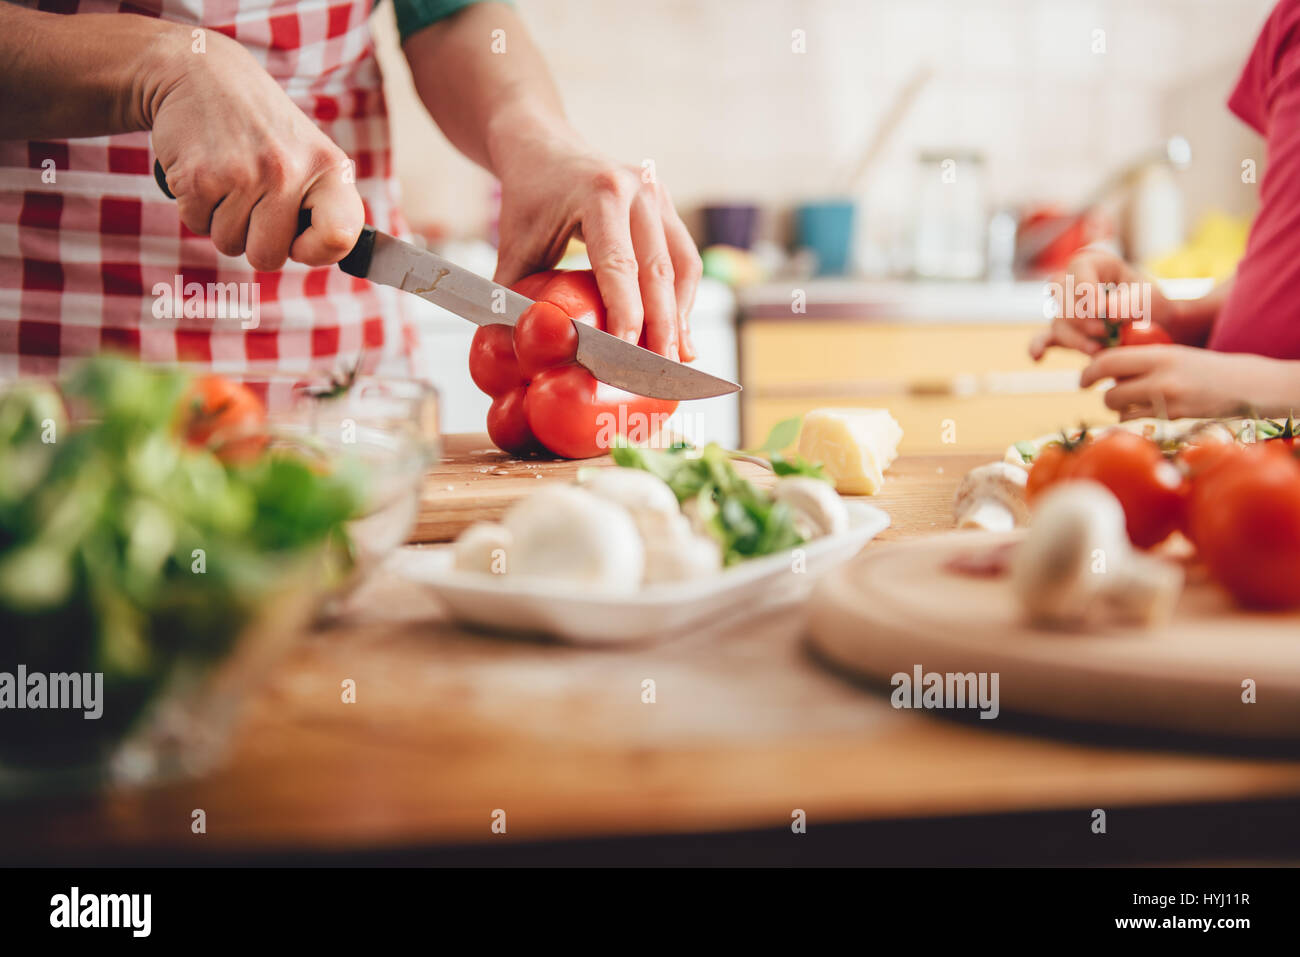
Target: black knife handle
<point>356,263</point>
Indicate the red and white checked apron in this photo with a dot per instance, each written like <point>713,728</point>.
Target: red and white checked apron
<point>80,257</point>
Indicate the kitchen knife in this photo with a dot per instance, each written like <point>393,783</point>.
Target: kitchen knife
<point>384,259</point>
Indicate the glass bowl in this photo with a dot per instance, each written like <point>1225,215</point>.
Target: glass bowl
<point>177,724</point>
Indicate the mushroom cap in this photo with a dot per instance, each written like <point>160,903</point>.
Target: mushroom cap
<point>1000,481</point>
<point>1076,542</point>
<point>481,548</point>
<point>564,532</point>
<point>817,507</point>
<point>634,489</point>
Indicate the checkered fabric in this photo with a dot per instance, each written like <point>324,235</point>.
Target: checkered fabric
<point>86,237</point>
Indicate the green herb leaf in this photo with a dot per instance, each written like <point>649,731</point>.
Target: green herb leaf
<point>783,435</point>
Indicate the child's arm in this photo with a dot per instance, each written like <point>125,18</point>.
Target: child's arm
<point>1178,382</point>
<point>1190,321</point>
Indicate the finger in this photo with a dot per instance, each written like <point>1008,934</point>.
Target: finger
<point>230,223</point>
<point>687,270</point>
<point>613,259</point>
<point>1123,363</point>
<point>1132,396</point>
<point>1139,411</point>
<point>516,258</point>
<point>199,191</point>
<point>271,228</point>
<point>1039,345</point>
<point>1064,333</point>
<point>655,275</point>
<point>1081,274</point>
<point>196,213</point>
<point>337,215</point>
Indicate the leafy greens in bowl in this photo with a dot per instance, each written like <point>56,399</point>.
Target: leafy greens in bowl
<point>162,568</point>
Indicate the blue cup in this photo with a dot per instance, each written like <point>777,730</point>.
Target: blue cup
<point>826,228</point>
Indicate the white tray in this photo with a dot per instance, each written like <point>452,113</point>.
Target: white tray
<point>656,611</point>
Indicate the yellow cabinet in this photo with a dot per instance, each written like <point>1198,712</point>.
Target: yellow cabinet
<point>952,386</point>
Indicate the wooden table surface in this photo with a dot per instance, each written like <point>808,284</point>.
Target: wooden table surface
<point>450,726</point>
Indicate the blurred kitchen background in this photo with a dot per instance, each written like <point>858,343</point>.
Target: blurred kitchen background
<point>878,186</point>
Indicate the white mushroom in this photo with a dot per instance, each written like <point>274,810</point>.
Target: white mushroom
<point>483,547</point>
<point>817,508</point>
<point>992,497</point>
<point>634,489</point>
<point>564,532</point>
<point>673,549</point>
<point>1076,565</point>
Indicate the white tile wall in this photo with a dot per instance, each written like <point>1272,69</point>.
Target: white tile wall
<point>712,92</point>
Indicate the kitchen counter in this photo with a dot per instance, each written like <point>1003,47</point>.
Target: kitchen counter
<point>898,300</point>
<point>451,726</point>
<point>920,301</point>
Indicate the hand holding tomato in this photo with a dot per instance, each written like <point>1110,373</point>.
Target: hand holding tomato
<point>542,400</point>
<point>1082,323</point>
<point>647,266</point>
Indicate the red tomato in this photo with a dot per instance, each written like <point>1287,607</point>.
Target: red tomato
<point>541,397</point>
<point>1246,521</point>
<point>225,416</point>
<point>544,337</point>
<point>507,425</point>
<point>1198,461</point>
<point>1200,458</point>
<point>1148,486</point>
<point>492,363</point>
<point>1152,334</point>
<point>1053,464</point>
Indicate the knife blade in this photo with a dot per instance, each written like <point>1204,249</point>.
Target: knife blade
<point>389,261</point>
<point>610,359</point>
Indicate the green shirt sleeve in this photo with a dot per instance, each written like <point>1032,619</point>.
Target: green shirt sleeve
<point>415,15</point>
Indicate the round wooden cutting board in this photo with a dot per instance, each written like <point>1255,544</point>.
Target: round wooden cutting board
<point>898,607</point>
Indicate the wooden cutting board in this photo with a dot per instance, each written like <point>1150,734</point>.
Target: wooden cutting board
<point>898,606</point>
<point>475,482</point>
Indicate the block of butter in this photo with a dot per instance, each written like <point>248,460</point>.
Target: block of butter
<point>855,446</point>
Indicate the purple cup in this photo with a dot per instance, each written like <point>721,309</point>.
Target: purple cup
<point>730,225</point>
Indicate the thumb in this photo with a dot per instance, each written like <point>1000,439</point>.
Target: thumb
<point>515,261</point>
<point>337,215</point>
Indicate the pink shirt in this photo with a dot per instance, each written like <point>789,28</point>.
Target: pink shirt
<point>1262,311</point>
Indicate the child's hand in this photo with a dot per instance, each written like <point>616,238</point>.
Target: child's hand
<point>1182,381</point>
<point>1080,317</point>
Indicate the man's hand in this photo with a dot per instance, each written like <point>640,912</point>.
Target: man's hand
<point>239,156</point>
<point>644,259</point>
<point>1182,381</point>
<point>1081,323</point>
<point>499,106</point>
<point>242,159</point>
